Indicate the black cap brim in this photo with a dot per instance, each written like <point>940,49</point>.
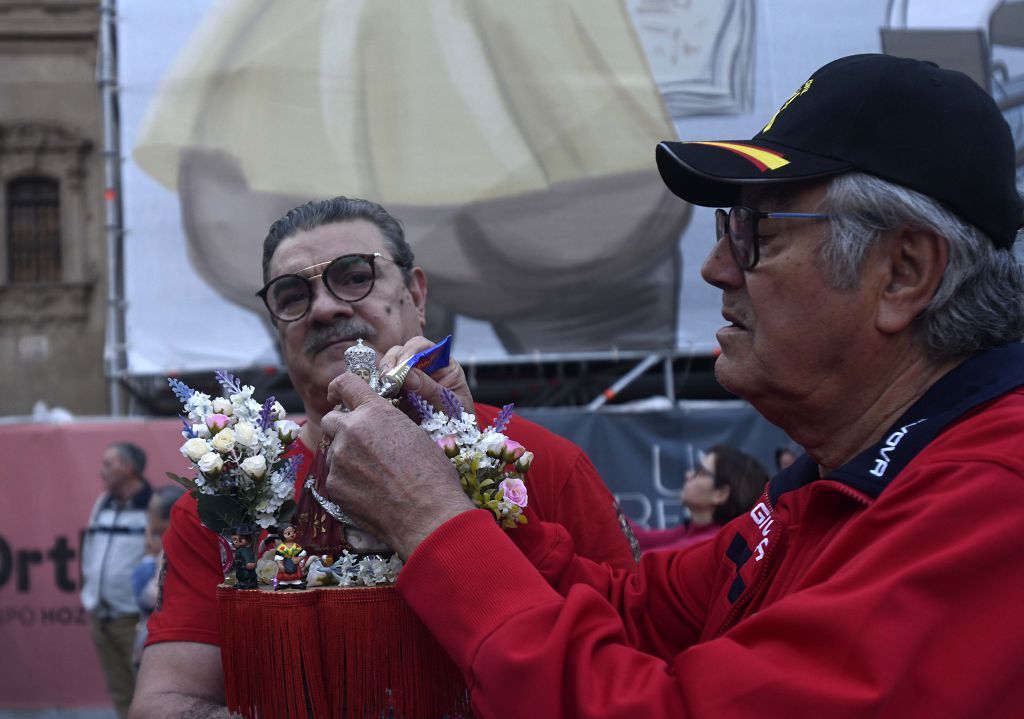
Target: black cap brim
<point>711,174</point>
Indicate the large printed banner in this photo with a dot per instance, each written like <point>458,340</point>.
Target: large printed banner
<point>50,477</point>
<point>515,141</point>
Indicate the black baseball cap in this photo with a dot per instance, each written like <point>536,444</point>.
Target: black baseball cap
<point>906,121</point>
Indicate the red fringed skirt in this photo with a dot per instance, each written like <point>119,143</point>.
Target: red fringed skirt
<point>333,652</point>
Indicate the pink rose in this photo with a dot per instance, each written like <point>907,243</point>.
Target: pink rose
<point>514,491</point>
<point>513,451</point>
<point>217,422</point>
<point>449,445</point>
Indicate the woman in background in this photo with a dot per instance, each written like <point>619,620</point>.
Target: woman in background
<point>726,483</point>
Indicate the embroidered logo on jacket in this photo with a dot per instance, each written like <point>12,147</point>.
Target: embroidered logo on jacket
<point>762,517</point>
<point>885,453</point>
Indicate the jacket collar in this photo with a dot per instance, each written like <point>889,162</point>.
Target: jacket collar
<point>977,380</point>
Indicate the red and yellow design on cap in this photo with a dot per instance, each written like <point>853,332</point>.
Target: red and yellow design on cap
<point>761,158</point>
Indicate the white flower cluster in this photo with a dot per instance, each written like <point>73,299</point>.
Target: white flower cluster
<point>365,571</point>
<point>236,448</point>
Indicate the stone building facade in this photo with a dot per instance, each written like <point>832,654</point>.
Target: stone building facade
<point>53,292</point>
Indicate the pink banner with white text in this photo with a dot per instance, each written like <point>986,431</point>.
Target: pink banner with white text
<point>50,478</point>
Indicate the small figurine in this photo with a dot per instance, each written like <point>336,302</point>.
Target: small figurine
<point>266,565</point>
<point>362,360</point>
<point>291,560</point>
<point>244,560</point>
<point>318,573</point>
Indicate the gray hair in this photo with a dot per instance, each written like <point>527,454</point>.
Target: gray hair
<point>979,302</point>
<point>132,454</point>
<point>339,209</point>
<point>164,498</point>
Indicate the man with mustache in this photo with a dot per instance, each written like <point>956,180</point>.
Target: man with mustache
<point>874,311</point>
<point>336,271</point>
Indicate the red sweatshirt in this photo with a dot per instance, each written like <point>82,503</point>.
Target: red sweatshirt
<point>889,588</point>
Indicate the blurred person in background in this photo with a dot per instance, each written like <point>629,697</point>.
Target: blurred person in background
<point>784,456</point>
<point>146,577</point>
<point>725,484</point>
<point>115,542</point>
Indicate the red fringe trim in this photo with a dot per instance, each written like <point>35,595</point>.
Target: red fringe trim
<point>333,652</point>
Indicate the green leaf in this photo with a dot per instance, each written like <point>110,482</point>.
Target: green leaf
<point>185,482</point>
<point>220,513</point>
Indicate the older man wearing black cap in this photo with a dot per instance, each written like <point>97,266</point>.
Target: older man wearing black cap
<point>874,309</point>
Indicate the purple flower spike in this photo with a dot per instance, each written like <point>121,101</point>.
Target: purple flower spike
<point>228,381</point>
<point>181,390</point>
<point>268,407</point>
<point>187,431</point>
<point>291,469</point>
<point>421,405</point>
<point>501,421</point>
<point>450,403</point>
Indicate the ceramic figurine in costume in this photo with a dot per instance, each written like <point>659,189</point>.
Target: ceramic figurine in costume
<point>244,561</point>
<point>291,561</point>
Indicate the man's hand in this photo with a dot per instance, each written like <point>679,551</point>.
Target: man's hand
<point>426,386</point>
<point>385,471</point>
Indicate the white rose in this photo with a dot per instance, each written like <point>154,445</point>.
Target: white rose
<point>287,431</point>
<point>224,441</point>
<point>211,464</point>
<point>255,467</point>
<point>278,411</point>
<point>492,444</point>
<point>201,430</point>
<point>245,434</point>
<point>222,405</point>
<point>195,448</point>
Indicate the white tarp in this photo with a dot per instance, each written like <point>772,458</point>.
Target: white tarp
<point>515,140</point>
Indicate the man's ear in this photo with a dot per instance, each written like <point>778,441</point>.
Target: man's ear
<point>417,287</point>
<point>913,263</point>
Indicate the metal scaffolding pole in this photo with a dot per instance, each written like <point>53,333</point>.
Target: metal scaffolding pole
<point>620,384</point>
<point>114,349</point>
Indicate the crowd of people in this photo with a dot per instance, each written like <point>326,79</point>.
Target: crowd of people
<point>873,310</point>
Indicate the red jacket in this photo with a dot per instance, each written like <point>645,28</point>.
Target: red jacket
<point>890,588</point>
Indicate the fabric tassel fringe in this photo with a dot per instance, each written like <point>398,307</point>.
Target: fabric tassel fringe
<point>333,652</point>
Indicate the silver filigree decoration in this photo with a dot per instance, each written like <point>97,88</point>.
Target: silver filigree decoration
<point>362,361</point>
<point>330,507</point>
<point>354,570</point>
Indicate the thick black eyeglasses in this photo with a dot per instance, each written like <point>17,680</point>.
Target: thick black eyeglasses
<point>740,223</point>
<point>349,278</point>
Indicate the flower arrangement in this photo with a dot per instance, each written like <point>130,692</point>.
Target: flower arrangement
<point>491,466</point>
<point>236,444</point>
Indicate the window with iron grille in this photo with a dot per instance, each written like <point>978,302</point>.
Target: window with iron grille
<point>33,230</point>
